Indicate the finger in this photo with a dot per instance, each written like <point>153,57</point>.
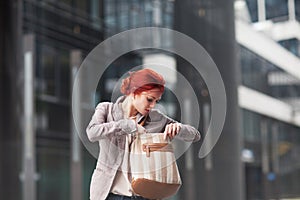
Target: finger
<point>178,127</point>
<point>174,130</point>
<point>165,135</point>
<point>167,129</point>
<point>171,132</point>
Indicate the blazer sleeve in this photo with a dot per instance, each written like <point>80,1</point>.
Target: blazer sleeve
<point>187,132</point>
<point>99,128</point>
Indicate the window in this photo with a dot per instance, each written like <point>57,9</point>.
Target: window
<point>281,145</point>
<point>53,73</point>
<point>253,10</point>
<point>53,91</point>
<point>292,45</point>
<point>123,15</point>
<point>53,166</point>
<point>289,164</point>
<point>297,7</point>
<point>255,71</point>
<point>277,9</point>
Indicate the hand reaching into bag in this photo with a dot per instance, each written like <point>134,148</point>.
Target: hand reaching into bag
<point>140,129</point>
<point>171,130</point>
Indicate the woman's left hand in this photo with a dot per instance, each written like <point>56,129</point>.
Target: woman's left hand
<point>171,130</point>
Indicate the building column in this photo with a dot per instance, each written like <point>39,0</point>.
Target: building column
<point>28,175</point>
<point>292,11</point>
<point>76,160</point>
<point>11,103</point>
<point>261,7</point>
<point>2,94</point>
<point>211,24</point>
<point>265,160</point>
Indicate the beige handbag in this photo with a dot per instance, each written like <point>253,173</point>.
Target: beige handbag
<point>153,167</point>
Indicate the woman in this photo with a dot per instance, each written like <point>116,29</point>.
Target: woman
<point>113,125</point>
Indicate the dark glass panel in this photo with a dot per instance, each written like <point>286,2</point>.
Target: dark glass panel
<point>297,8</point>
<point>277,10</point>
<point>289,163</point>
<point>292,45</point>
<point>53,166</point>
<point>255,70</point>
<point>253,10</point>
<point>64,75</point>
<point>47,70</point>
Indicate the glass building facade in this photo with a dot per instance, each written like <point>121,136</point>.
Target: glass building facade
<point>58,28</point>
<point>123,15</point>
<point>271,144</point>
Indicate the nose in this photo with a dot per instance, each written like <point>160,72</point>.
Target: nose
<point>152,104</point>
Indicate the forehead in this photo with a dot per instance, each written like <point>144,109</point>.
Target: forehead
<point>153,93</point>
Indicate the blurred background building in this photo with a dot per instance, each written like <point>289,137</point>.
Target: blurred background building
<point>255,44</point>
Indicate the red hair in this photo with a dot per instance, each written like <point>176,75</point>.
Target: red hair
<point>142,80</point>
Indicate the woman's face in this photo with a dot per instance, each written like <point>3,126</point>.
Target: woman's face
<point>146,100</point>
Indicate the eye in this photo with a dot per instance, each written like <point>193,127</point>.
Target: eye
<point>150,100</point>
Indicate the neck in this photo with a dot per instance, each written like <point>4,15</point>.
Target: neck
<point>128,108</point>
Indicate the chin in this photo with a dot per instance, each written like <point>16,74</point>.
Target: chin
<point>145,112</point>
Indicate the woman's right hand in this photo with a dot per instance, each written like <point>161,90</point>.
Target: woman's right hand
<point>140,129</point>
